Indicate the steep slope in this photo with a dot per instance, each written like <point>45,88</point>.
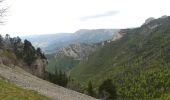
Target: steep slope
<point>26,80</point>
<point>138,62</point>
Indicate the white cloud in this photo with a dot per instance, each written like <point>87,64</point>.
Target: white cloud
<point>106,14</point>
<point>27,17</point>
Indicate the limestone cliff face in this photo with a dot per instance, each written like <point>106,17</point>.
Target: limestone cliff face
<point>77,50</point>
<point>38,67</point>
<point>117,36</point>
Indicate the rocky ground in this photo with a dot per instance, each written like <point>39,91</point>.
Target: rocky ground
<point>26,80</point>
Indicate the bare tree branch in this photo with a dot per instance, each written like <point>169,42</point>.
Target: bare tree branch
<point>2,12</point>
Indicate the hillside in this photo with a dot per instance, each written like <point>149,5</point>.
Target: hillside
<point>51,42</point>
<point>19,62</point>
<point>14,52</point>
<point>9,91</point>
<point>25,80</point>
<point>138,63</point>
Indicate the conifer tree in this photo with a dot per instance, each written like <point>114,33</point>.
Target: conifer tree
<point>90,89</point>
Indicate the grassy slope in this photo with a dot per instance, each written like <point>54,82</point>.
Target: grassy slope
<point>9,91</point>
<point>138,63</point>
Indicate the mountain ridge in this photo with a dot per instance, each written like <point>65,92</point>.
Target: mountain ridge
<point>132,61</point>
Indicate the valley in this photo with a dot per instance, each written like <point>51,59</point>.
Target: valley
<point>130,58</point>
<point>84,50</point>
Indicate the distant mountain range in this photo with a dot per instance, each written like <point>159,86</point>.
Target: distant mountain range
<point>51,42</point>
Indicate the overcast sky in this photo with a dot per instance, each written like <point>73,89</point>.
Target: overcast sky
<point>27,17</point>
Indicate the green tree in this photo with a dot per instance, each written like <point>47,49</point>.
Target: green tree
<point>29,52</point>
<point>58,77</point>
<point>1,41</point>
<point>40,54</point>
<point>90,89</point>
<point>107,90</point>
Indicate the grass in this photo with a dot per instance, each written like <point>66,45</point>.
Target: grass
<point>9,91</point>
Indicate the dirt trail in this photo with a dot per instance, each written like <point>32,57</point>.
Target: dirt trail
<point>26,80</point>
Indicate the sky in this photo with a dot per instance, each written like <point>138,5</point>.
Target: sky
<point>29,17</point>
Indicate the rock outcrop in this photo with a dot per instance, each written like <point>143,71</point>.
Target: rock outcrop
<point>117,36</point>
<point>77,50</point>
<point>149,20</point>
<point>39,67</point>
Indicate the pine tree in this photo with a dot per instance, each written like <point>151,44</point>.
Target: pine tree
<point>1,41</point>
<point>90,89</point>
<point>29,52</point>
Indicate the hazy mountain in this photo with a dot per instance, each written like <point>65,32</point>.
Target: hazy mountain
<point>51,42</point>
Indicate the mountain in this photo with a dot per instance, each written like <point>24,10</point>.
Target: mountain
<point>138,62</point>
<point>77,50</point>
<point>51,42</point>
<point>94,36</point>
<point>67,57</point>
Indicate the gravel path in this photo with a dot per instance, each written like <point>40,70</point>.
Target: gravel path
<point>26,80</point>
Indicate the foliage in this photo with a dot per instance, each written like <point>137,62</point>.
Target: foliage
<point>107,90</point>
<point>14,47</point>
<point>59,78</point>
<point>28,52</point>
<point>40,54</point>
<point>90,89</point>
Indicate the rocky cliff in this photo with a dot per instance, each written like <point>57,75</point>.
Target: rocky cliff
<point>77,50</point>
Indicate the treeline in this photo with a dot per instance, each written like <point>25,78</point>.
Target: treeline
<point>58,77</point>
<point>23,50</point>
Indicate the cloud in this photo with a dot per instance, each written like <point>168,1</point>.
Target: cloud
<point>106,14</point>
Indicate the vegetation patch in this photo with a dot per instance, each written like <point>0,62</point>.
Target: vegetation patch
<point>9,91</point>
